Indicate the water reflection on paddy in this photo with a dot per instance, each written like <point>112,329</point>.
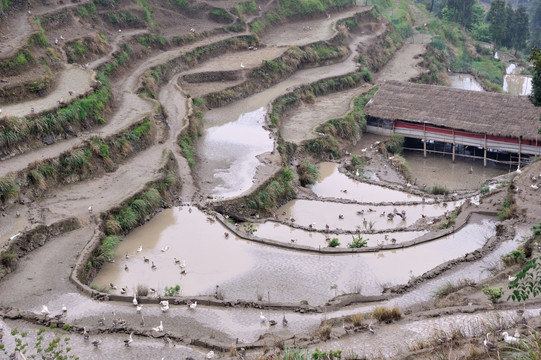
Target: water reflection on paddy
<point>332,183</point>
<point>363,217</point>
<point>242,269</point>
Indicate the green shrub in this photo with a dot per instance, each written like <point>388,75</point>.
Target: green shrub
<point>366,74</point>
<point>507,210</point>
<point>357,242</point>
<point>108,246</point>
<point>334,242</point>
<point>308,174</point>
<point>172,290</point>
<point>395,144</point>
<point>513,257</point>
<point>8,189</point>
<point>439,190</point>
<point>493,294</point>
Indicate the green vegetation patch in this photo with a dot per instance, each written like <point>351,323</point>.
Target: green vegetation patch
<point>274,193</point>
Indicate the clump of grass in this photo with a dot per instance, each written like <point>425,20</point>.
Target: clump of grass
<point>395,144</point>
<point>142,290</point>
<point>334,242</point>
<point>508,208</point>
<point>450,287</point>
<point>308,174</point>
<point>324,331</point>
<point>402,166</point>
<point>357,319</point>
<point>517,256</point>
<point>439,190</point>
<point>276,191</point>
<point>108,246</point>
<point>8,189</point>
<point>384,314</point>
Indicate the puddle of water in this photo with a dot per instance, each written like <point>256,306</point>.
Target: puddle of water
<point>230,152</point>
<point>332,183</point>
<point>465,81</point>
<point>242,269</point>
<point>284,233</point>
<point>517,84</point>
<point>358,217</point>
<point>436,169</point>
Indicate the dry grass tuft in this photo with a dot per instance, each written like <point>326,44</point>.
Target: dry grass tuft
<point>324,331</point>
<point>384,314</point>
<point>356,319</point>
<point>142,290</point>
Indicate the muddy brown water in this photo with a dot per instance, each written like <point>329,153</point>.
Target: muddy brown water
<point>334,184</point>
<point>438,170</point>
<point>319,214</point>
<point>213,173</point>
<point>243,269</point>
<point>230,152</point>
<point>284,233</point>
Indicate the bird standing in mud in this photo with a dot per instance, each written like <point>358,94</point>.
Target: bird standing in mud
<point>129,340</point>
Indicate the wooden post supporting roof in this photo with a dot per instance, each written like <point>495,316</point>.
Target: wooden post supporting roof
<point>485,153</point>
<point>454,145</point>
<point>519,149</point>
<point>424,143</point>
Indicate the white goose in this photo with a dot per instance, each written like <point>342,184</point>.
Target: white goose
<point>134,301</point>
<point>509,339</point>
<point>128,341</point>
<point>140,248</point>
<point>45,310</point>
<point>139,308</point>
<point>159,328</point>
<point>165,305</point>
<point>193,305</point>
<point>262,317</point>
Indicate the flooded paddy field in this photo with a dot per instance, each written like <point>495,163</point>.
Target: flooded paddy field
<point>189,247</point>
<point>334,184</point>
<point>441,170</point>
<point>323,215</point>
<point>242,268</point>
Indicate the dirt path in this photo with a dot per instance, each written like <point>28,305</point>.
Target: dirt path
<point>13,32</point>
<point>115,46</point>
<point>300,124</point>
<point>175,103</point>
<point>404,65</point>
<point>307,31</point>
<point>73,78</point>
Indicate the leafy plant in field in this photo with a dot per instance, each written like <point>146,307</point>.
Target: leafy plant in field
<point>172,290</point>
<point>334,242</point>
<point>493,294</point>
<point>357,242</point>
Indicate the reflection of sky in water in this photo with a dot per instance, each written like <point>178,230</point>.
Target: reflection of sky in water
<point>233,147</point>
<point>242,268</point>
<point>465,81</point>
<point>332,183</point>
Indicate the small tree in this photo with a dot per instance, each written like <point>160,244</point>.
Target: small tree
<point>493,294</point>
<point>527,282</point>
<point>357,242</point>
